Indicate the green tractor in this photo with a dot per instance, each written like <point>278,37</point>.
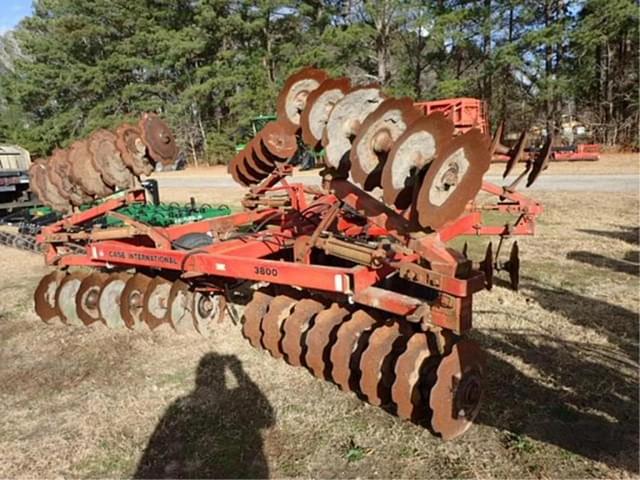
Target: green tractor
<point>305,157</point>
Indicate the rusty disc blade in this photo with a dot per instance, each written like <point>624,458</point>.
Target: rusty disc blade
<point>405,391</point>
<point>375,138</point>
<point>349,344</point>
<point>293,96</point>
<point>66,298</point>
<point>453,179</point>
<point>107,160</point>
<point>320,337</point>
<point>55,174</point>
<point>377,363</point>
<point>234,171</point>
<point>246,171</point>
<point>412,152</point>
<point>133,150</point>
<point>319,104</point>
<point>156,302</point>
<point>158,138</point>
<point>44,297</point>
<point>46,191</point>
<point>515,154</point>
<point>206,308</point>
<point>52,193</point>
<point>278,141</point>
<point>83,172</point>
<point>87,297</point>
<point>132,301</point>
<point>344,122</point>
<point>295,328</point>
<point>252,317</point>
<point>261,156</point>
<point>62,164</point>
<point>540,162</point>
<point>181,303</point>
<point>254,161</point>
<point>109,300</point>
<point>279,309</point>
<point>457,393</point>
<point>35,172</point>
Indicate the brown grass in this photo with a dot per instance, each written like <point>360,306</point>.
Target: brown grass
<point>562,386</point>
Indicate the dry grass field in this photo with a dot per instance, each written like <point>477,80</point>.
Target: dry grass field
<point>561,400</point>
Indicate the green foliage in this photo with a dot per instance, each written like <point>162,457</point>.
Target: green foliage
<point>220,148</point>
<point>353,452</point>
<point>210,66</point>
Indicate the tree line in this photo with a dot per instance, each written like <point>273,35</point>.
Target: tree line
<point>210,66</point>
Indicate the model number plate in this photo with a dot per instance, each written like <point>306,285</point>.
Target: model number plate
<point>268,271</point>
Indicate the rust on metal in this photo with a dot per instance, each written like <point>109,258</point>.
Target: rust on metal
<point>87,297</point>
<point>378,360</point>
<point>44,297</point>
<point>410,401</point>
<point>318,107</point>
<point>411,154</point>
<point>156,302</point>
<point>133,150</point>
<point>158,138</point>
<point>376,137</point>
<point>454,178</point>
<point>292,99</point>
<point>180,313</point>
<point>458,390</point>
<point>132,300</point>
<point>295,328</point>
<point>83,173</point>
<point>206,307</point>
<point>107,160</point>
<point>345,120</point>
<point>65,296</point>
<point>278,141</point>
<point>279,310</point>
<point>110,299</point>
<point>345,353</point>
<point>319,339</point>
<point>252,317</point>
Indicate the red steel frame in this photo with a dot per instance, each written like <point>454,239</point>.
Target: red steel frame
<point>465,113</point>
<point>243,257</point>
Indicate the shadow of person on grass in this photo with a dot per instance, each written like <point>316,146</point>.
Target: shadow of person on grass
<point>214,431</point>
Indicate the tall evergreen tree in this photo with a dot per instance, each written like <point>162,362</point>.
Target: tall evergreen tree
<point>210,66</point>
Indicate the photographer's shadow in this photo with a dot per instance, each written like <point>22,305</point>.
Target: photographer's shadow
<point>214,431</point>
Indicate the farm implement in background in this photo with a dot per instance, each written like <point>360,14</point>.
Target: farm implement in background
<point>26,224</point>
<point>354,279</point>
<point>103,163</point>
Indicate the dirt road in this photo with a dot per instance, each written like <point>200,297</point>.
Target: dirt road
<point>553,183</point>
